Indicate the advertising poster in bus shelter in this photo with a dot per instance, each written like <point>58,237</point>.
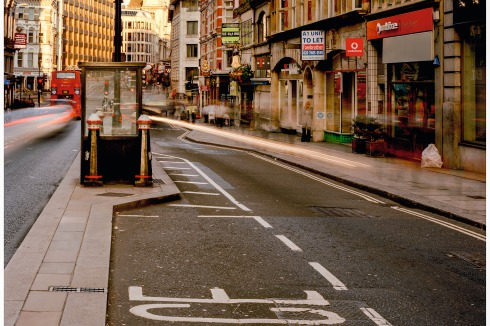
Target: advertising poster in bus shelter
<point>313,45</point>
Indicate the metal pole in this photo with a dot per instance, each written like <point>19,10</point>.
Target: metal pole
<point>117,32</point>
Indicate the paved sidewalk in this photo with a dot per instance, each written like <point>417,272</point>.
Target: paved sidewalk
<point>69,244</point>
<point>69,247</point>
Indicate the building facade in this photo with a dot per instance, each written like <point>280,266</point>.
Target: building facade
<point>418,67</point>
<point>9,53</point>
<point>216,56</point>
<point>140,36</point>
<point>37,21</point>
<point>87,35</point>
<point>184,59</point>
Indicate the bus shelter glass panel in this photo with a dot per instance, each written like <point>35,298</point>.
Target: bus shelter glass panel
<point>112,95</point>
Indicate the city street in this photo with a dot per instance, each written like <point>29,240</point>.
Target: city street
<point>256,241</point>
<point>38,150</point>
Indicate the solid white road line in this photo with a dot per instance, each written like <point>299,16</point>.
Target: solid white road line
<point>184,175</point>
<point>440,222</point>
<point>201,193</point>
<point>314,177</point>
<point>201,206</point>
<point>191,182</point>
<point>337,285</point>
<point>289,243</point>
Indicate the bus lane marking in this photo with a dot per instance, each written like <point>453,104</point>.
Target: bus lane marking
<point>219,296</point>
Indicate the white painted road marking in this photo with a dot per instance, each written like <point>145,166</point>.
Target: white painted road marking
<point>314,177</point>
<point>212,182</point>
<point>337,285</point>
<point>219,296</point>
<point>440,222</point>
<point>201,193</point>
<point>288,243</point>
<point>192,182</point>
<point>374,316</point>
<point>201,206</point>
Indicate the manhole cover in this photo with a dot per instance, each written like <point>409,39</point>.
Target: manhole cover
<point>339,212</point>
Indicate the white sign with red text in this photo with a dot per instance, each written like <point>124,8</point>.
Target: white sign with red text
<point>313,45</point>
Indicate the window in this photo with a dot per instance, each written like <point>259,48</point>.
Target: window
<point>30,36</point>
<point>31,13</point>
<point>191,73</point>
<point>284,15</point>
<point>20,57</point>
<point>192,28</point>
<point>192,50</point>
<point>41,38</point>
<point>246,31</point>
<point>474,94</point>
<point>261,29</point>
<point>30,60</point>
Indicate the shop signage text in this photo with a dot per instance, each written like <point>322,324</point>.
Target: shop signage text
<point>20,40</point>
<point>312,45</point>
<point>408,23</point>
<point>230,33</point>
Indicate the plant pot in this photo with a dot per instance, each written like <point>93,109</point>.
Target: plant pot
<point>358,145</point>
<point>375,148</point>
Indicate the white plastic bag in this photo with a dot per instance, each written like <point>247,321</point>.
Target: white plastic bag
<point>431,157</point>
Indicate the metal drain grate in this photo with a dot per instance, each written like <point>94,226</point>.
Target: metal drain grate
<point>77,290</point>
<point>339,212</point>
<point>158,181</point>
<point>114,194</point>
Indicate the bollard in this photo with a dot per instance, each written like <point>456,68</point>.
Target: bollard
<point>93,179</point>
<point>144,177</point>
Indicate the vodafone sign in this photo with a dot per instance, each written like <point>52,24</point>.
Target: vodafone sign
<point>354,47</point>
<point>408,23</point>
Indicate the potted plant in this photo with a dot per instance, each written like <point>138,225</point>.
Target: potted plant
<point>366,130</point>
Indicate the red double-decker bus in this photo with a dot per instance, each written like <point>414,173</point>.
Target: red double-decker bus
<point>66,85</point>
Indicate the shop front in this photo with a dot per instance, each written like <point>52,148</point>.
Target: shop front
<point>405,44</point>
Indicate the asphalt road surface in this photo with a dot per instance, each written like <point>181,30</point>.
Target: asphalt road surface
<point>38,151</point>
<point>257,242</point>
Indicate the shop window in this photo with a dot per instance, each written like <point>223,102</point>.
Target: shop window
<point>474,96</point>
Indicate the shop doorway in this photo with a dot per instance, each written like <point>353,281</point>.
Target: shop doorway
<point>412,111</point>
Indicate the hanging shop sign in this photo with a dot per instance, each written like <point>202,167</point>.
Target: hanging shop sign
<point>263,63</point>
<point>354,47</point>
<point>313,45</point>
<point>20,40</point>
<point>403,24</point>
<point>230,33</point>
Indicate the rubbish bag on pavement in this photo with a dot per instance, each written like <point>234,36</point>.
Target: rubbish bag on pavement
<point>431,157</point>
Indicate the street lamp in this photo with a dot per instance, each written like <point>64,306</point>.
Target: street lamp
<point>40,79</point>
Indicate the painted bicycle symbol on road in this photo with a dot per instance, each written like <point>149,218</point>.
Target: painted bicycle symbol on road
<point>311,310</point>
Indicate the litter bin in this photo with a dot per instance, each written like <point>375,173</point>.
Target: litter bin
<point>117,139</point>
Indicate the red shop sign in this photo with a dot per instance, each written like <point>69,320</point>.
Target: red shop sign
<point>403,24</point>
<point>354,47</point>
